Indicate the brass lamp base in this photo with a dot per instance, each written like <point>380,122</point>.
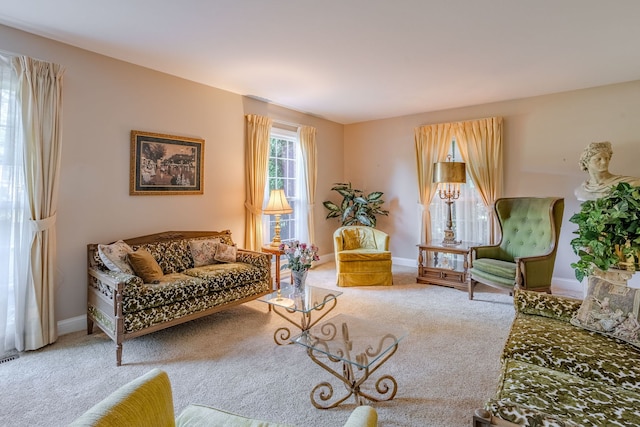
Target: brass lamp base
<point>450,239</point>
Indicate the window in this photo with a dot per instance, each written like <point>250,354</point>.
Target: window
<point>12,202</point>
<point>285,171</point>
<point>469,214</point>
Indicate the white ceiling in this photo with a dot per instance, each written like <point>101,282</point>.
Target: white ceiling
<point>357,60</point>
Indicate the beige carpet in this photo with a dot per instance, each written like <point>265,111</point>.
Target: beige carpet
<point>446,367</point>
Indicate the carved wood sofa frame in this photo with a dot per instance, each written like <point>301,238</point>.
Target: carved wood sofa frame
<point>105,309</point>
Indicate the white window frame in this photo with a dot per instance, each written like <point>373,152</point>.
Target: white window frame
<point>293,225</point>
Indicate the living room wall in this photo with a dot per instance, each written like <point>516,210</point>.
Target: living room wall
<point>543,139</point>
<point>103,100</point>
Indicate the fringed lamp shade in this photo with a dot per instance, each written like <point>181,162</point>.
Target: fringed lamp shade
<point>278,205</point>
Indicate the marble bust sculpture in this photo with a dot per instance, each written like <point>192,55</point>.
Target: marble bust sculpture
<point>595,160</point>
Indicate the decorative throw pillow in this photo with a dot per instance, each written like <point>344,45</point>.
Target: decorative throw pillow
<point>145,266</point>
<point>114,256</point>
<point>367,240</point>
<point>350,239</point>
<point>203,251</point>
<point>226,253</point>
<point>610,309</point>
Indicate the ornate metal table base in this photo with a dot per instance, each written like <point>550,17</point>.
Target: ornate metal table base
<point>385,386</point>
<point>282,334</point>
<point>356,369</point>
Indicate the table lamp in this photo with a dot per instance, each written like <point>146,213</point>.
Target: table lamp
<point>277,206</point>
<point>449,175</point>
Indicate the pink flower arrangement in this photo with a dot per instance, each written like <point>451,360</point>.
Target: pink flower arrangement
<point>299,255</point>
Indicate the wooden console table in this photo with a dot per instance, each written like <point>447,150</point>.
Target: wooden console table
<point>447,266</point>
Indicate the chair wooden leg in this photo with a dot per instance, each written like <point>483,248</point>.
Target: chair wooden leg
<point>89,325</point>
<point>471,285</point>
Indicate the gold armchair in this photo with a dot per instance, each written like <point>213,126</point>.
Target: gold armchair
<point>362,256</point>
<point>526,254</point>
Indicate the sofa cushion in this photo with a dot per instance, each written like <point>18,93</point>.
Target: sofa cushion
<point>569,397</point>
<point>141,319</point>
<point>543,304</point>
<point>610,309</point>
<point>496,267</point>
<point>194,282</point>
<point>145,266</point>
<point>203,251</point>
<point>170,288</point>
<point>556,344</point>
<point>114,256</point>
<point>200,415</point>
<point>525,416</point>
<point>227,275</point>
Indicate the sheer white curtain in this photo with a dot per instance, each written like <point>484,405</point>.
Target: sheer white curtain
<point>14,255</point>
<point>307,138</point>
<point>469,213</point>
<point>40,93</point>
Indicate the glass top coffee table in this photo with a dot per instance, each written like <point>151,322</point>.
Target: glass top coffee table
<point>358,347</point>
<point>286,301</point>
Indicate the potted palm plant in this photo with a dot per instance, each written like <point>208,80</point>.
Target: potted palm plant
<point>356,208</point>
<point>608,232</point>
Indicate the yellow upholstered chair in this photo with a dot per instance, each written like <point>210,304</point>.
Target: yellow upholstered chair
<point>526,254</point>
<point>362,256</point>
<point>147,401</point>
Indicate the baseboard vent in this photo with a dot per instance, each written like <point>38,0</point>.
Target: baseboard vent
<point>8,358</point>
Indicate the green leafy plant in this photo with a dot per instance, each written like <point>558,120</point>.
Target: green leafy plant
<point>356,208</point>
<point>608,231</point>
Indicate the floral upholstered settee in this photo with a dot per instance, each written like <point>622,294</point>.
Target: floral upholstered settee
<point>141,285</point>
<point>570,362</point>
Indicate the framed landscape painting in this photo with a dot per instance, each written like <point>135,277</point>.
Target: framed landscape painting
<point>165,164</point>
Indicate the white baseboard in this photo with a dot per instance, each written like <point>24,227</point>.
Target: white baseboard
<point>75,324</point>
<point>405,262</point>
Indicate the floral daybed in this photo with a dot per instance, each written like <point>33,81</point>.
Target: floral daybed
<point>570,363</point>
<point>184,279</point>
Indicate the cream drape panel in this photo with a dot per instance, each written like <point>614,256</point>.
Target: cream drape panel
<point>40,90</point>
<point>432,145</point>
<point>256,164</point>
<point>480,145</point>
<point>307,138</point>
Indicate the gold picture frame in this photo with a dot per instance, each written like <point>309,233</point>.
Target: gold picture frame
<point>165,164</point>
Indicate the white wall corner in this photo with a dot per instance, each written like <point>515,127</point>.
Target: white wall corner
<point>75,324</point>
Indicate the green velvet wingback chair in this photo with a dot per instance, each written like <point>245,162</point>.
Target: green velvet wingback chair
<point>362,256</point>
<point>526,254</point>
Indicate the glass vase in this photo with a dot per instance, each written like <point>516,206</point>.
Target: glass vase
<point>299,279</point>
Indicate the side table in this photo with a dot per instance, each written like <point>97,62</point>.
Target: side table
<point>441,269</point>
<point>275,251</point>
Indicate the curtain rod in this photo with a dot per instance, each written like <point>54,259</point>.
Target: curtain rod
<point>462,121</point>
<point>282,122</point>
